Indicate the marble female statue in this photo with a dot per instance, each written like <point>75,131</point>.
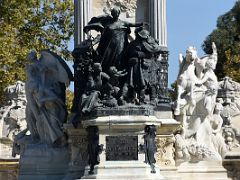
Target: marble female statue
<point>47,79</point>
<point>210,83</point>
<point>114,38</point>
<point>208,79</point>
<point>217,121</point>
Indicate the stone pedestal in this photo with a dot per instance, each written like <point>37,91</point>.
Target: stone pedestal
<point>8,169</point>
<point>165,141</point>
<point>40,162</point>
<point>6,148</point>
<point>78,144</point>
<point>122,138</point>
<point>202,170</point>
<point>8,164</point>
<point>120,135</point>
<point>165,155</point>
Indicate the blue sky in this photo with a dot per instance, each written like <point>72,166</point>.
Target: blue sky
<point>188,24</point>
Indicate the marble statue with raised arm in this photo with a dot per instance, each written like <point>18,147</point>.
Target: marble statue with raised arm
<point>209,80</point>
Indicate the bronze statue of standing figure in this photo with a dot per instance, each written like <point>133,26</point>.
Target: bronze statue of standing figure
<point>114,38</point>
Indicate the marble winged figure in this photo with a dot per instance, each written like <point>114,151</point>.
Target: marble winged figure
<point>47,78</point>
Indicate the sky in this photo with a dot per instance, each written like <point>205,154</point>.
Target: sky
<point>189,22</point>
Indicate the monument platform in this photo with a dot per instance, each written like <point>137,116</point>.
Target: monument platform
<point>122,140</point>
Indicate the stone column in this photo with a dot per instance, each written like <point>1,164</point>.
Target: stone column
<point>82,14</point>
<point>158,29</point>
<point>158,23</point>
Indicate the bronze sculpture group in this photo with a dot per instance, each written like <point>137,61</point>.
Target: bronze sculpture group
<point>116,72</point>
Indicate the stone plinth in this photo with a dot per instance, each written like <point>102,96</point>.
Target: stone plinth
<point>8,164</point>
<point>78,144</point>
<point>9,169</point>
<point>202,170</point>
<point>165,141</point>
<point>6,148</point>
<point>121,138</point>
<point>40,162</point>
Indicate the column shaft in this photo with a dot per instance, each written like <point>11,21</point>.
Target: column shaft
<point>157,9</point>
<point>82,14</point>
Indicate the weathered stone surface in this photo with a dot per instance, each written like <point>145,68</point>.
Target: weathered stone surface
<point>229,96</point>
<point>78,150</point>
<point>165,150</point>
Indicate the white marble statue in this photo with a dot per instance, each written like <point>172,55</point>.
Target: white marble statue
<point>217,121</point>
<point>209,80</point>
<point>197,91</point>
<point>12,116</point>
<point>229,92</point>
<point>186,79</point>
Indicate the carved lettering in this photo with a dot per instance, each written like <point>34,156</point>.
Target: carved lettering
<point>121,148</point>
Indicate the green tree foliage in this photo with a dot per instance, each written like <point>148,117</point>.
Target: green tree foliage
<point>172,93</point>
<point>227,39</point>
<point>69,100</point>
<point>31,24</point>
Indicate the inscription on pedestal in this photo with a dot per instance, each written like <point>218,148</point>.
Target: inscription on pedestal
<point>121,148</point>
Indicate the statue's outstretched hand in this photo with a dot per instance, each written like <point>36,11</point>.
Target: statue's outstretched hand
<point>214,48</point>
<point>180,58</point>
